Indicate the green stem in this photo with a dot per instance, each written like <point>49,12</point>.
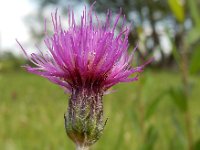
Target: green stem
<point>185,80</point>
<point>189,130</point>
<point>78,147</point>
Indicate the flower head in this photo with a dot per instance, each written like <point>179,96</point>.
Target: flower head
<point>86,59</point>
<point>86,55</point>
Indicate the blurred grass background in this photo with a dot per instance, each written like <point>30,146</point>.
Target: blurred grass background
<point>32,112</point>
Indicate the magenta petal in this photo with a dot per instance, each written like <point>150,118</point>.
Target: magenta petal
<point>88,55</point>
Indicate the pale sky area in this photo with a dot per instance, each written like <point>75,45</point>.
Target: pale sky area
<point>12,25</point>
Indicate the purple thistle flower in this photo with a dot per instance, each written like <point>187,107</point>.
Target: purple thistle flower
<point>86,59</point>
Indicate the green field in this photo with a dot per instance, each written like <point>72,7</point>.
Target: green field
<point>32,110</point>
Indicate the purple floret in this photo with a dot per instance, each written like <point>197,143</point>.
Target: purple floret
<point>89,55</point>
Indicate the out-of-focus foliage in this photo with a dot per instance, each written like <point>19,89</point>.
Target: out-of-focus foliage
<point>195,63</point>
<point>177,8</point>
<point>194,36</point>
<point>10,62</point>
<point>179,98</point>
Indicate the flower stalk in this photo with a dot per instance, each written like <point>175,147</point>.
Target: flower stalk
<point>184,64</point>
<point>185,81</point>
<point>81,148</point>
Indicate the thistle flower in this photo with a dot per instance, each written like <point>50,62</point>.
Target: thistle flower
<point>86,60</point>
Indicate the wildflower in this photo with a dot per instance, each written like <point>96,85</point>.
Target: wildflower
<point>86,60</point>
